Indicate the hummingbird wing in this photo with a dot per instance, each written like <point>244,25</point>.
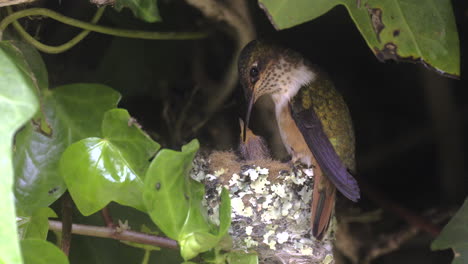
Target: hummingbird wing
<point>311,128</point>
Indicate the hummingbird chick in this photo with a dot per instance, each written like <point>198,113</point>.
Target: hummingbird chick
<point>313,120</point>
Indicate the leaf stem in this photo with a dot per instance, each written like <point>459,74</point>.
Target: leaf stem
<point>139,34</point>
<point>127,235</point>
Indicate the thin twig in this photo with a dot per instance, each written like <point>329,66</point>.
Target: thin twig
<point>127,235</point>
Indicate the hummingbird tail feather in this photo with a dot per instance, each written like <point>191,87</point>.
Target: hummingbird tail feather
<point>323,203</point>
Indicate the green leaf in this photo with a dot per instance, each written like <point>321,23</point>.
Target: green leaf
<point>193,243</point>
<point>224,213</point>
<point>100,170</point>
<point>74,112</point>
<point>165,190</point>
<point>455,236</point>
<point>242,258</point>
<point>35,226</point>
<point>123,131</point>
<point>174,202</point>
<point>18,104</point>
<point>96,173</point>
<point>146,10</point>
<point>197,234</point>
<point>397,29</point>
<point>36,251</point>
<point>40,78</point>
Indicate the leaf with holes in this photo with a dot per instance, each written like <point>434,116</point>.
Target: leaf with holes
<point>401,29</point>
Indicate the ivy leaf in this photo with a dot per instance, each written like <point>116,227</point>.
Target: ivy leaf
<point>146,10</point>
<point>174,202</point>
<point>36,225</point>
<point>165,190</point>
<point>100,170</point>
<point>74,112</point>
<point>36,251</point>
<point>455,236</point>
<point>18,103</point>
<point>125,133</point>
<point>224,213</point>
<point>197,234</point>
<point>399,29</point>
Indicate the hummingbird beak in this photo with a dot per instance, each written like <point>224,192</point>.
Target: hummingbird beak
<point>247,118</point>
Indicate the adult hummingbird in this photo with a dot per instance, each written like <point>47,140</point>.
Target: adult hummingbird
<point>313,120</point>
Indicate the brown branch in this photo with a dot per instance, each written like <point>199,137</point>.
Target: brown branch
<point>126,235</point>
<point>391,242</point>
<point>67,211</point>
<point>107,217</point>
<point>237,16</point>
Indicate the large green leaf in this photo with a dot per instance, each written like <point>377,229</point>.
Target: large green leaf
<point>197,234</point>
<point>146,10</point>
<point>100,170</point>
<point>124,132</point>
<point>455,236</point>
<point>36,251</point>
<point>393,29</point>
<point>174,202</point>
<point>73,112</point>
<point>165,188</point>
<point>18,104</point>
<point>36,225</point>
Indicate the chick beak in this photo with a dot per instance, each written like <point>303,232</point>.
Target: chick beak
<point>247,118</point>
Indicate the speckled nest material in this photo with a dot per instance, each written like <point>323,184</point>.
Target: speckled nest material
<point>270,207</point>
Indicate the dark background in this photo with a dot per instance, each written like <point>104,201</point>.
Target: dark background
<point>410,123</point>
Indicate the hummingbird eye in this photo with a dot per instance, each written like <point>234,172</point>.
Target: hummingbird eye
<point>254,74</point>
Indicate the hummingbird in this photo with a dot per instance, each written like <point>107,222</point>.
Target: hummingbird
<point>313,120</point>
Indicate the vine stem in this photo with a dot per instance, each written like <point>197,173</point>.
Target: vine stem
<point>127,235</point>
<point>139,34</point>
<point>55,49</point>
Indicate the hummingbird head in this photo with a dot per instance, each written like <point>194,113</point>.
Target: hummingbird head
<point>269,69</point>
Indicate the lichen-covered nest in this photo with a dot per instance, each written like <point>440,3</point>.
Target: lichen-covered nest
<point>270,207</point>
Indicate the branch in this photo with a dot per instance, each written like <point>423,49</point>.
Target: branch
<point>67,207</point>
<point>237,17</point>
<point>107,217</point>
<point>126,235</point>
